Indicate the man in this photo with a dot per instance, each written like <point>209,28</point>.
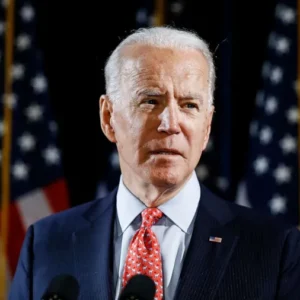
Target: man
<point>160,221</point>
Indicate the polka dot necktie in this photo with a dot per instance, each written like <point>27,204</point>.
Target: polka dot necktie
<point>144,255</point>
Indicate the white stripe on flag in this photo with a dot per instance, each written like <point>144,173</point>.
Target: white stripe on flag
<point>32,207</point>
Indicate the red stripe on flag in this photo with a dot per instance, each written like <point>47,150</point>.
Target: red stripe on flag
<point>15,238</point>
<point>57,195</point>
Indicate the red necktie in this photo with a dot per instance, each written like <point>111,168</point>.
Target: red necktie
<point>144,253</point>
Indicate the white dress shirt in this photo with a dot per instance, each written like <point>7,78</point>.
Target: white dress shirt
<point>173,231</point>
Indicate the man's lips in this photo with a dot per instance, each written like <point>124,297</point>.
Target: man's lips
<point>166,151</point>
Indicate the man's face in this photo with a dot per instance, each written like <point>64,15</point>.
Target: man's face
<point>162,122</point>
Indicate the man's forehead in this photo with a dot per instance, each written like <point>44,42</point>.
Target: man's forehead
<point>141,56</point>
<point>147,68</point>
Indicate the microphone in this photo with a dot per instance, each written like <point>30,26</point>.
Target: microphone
<point>139,287</point>
<point>62,287</point>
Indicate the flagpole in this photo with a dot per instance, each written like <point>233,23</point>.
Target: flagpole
<point>159,12</point>
<point>6,145</point>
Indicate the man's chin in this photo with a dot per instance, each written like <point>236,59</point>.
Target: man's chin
<point>166,176</point>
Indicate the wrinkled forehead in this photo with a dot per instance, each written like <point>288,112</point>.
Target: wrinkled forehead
<point>146,64</point>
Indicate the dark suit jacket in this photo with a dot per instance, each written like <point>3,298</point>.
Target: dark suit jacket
<point>258,258</point>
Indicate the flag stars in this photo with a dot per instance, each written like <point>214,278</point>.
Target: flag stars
<point>288,144</point>
<point>271,105</point>
<point>282,45</point>
<point>17,71</point>
<point>39,84</point>
<point>286,14</point>
<point>261,165</point>
<point>278,204</point>
<point>266,135</point>
<point>27,142</point>
<point>282,174</point>
<point>51,155</point>
<point>34,112</point>
<point>20,171</point>
<point>27,13</point>
<point>276,75</point>
<point>23,42</point>
<point>292,115</point>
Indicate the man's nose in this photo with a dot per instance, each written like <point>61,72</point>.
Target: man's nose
<point>169,120</point>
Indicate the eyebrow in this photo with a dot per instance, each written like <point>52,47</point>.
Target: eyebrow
<point>158,93</point>
<point>150,92</point>
<point>190,96</point>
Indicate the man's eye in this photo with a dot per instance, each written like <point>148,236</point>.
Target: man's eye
<point>191,105</point>
<point>151,101</point>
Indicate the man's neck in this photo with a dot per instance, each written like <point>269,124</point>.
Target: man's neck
<point>149,194</point>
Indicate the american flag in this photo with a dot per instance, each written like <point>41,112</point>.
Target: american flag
<point>215,239</point>
<point>37,183</point>
<point>272,181</point>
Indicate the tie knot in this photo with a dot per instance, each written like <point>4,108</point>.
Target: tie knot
<point>150,216</point>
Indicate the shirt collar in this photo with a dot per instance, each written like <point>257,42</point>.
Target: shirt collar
<point>180,209</point>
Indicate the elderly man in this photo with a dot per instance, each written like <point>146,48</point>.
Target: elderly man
<point>160,221</point>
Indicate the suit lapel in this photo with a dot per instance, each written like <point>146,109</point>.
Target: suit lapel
<point>92,250</point>
<point>206,261</point>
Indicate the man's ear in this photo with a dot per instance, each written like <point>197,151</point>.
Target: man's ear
<point>208,128</point>
<point>105,113</point>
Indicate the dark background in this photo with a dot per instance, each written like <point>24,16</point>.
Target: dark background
<point>76,40</point>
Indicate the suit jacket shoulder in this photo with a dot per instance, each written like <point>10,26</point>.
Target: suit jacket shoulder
<point>74,241</point>
<point>257,256</point>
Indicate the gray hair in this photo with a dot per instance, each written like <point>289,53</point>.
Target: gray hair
<point>163,37</point>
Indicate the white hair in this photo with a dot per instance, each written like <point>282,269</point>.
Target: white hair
<point>162,37</point>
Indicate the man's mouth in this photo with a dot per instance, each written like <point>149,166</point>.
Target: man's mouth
<point>166,152</point>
